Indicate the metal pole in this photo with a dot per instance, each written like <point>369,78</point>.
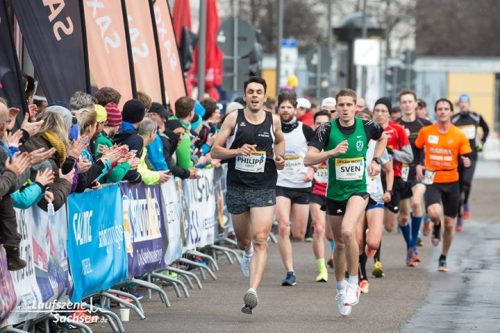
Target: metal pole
<point>387,44</point>
<point>201,49</point>
<point>318,75</point>
<point>235,45</point>
<point>278,51</point>
<point>329,43</point>
<point>363,35</point>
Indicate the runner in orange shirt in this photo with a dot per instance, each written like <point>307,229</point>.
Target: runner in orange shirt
<point>444,144</point>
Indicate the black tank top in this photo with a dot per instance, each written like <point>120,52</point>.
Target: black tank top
<point>256,171</point>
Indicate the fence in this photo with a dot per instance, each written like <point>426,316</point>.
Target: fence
<point>105,237</point>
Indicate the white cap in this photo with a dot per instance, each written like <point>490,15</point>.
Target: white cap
<point>233,106</point>
<point>330,101</point>
<point>303,103</point>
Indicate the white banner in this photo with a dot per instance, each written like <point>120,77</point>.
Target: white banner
<point>173,214</point>
<point>199,229</point>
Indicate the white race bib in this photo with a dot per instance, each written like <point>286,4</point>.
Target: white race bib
<point>255,162</point>
<point>469,131</point>
<point>429,177</point>
<point>294,163</point>
<point>349,168</point>
<point>405,171</point>
<point>321,175</point>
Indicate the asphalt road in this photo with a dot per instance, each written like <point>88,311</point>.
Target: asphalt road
<point>406,299</point>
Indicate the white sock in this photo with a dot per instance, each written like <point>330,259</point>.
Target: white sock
<point>353,280</point>
<point>341,285</point>
<point>249,251</point>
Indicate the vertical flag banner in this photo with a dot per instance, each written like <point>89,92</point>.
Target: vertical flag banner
<point>213,55</point>
<point>10,76</point>
<point>54,37</point>
<point>140,25</point>
<point>145,236</point>
<point>96,246</point>
<point>171,66</point>
<point>107,46</point>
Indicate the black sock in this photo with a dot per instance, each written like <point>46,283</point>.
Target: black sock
<point>377,255</point>
<point>442,257</point>
<point>362,266</point>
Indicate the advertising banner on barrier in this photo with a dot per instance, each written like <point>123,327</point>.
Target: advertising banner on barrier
<point>49,253</point>
<point>96,247</point>
<point>7,292</point>
<point>199,229</point>
<point>172,216</point>
<point>56,28</point>
<point>142,215</point>
<point>25,284</point>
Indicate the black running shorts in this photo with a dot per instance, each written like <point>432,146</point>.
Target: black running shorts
<point>446,193</point>
<point>241,199</point>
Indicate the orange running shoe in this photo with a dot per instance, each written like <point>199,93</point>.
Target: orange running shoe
<point>364,286</point>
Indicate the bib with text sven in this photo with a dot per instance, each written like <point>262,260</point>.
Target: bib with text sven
<point>349,168</point>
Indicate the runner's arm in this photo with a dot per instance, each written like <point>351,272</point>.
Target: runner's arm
<point>219,150</point>
<point>405,155</point>
<point>279,142</point>
<point>486,130</point>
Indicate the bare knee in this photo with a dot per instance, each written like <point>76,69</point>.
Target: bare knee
<point>347,235</point>
<point>319,230</point>
<point>260,241</point>
<point>284,229</point>
<point>404,220</point>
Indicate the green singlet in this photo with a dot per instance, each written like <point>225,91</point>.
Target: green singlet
<point>346,172</point>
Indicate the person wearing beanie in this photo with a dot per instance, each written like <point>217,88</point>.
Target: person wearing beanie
<point>132,114</point>
<point>398,145</point>
<point>114,115</point>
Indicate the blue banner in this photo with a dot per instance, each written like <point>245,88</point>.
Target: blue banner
<point>145,234</point>
<point>96,246</point>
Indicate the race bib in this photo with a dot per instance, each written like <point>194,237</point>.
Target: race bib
<point>255,162</point>
<point>429,177</point>
<point>321,175</point>
<point>349,168</point>
<point>405,171</point>
<point>469,131</point>
<point>294,163</point>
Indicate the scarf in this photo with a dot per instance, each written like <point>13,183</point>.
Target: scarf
<point>290,126</point>
<point>61,150</point>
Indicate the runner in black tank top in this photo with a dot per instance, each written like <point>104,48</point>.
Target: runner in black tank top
<point>261,135</point>
<point>252,141</point>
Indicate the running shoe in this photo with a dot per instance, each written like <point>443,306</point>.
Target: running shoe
<point>364,286</point>
<point>343,309</point>
<point>427,227</point>
<point>290,279</point>
<point>416,256</point>
<point>246,258</point>
<point>322,276</point>
<point>370,253</point>
<point>378,269</point>
<point>460,225</point>
<point>466,213</point>
<point>442,266</point>
<point>436,234</point>
<point>351,295</point>
<point>420,242</point>
<point>308,239</point>
<point>250,301</point>
<point>409,259</point>
<point>330,261</point>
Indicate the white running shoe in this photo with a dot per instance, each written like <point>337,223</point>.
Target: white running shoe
<point>250,301</point>
<point>344,310</point>
<point>351,295</point>
<point>246,258</point>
